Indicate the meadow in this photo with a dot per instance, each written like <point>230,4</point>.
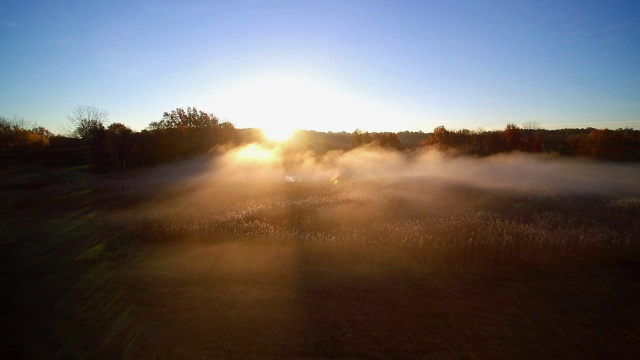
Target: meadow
<point>365,254</point>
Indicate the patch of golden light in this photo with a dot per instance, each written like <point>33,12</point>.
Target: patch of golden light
<point>278,133</point>
<point>255,152</point>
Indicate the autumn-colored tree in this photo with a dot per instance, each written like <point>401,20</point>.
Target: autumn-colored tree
<point>440,138</point>
<point>619,145</point>
<point>359,138</point>
<point>15,134</point>
<point>389,140</point>
<point>511,137</point>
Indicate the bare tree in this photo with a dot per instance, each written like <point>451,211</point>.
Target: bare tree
<point>87,121</point>
<point>88,124</point>
<point>531,125</point>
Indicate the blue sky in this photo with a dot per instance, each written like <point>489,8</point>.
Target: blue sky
<point>325,65</point>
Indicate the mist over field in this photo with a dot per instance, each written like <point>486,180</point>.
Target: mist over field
<point>536,208</point>
<point>272,192</point>
<point>520,171</point>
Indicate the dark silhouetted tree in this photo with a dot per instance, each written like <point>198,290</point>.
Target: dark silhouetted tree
<point>88,124</point>
<point>119,144</point>
<point>86,121</point>
<point>183,120</point>
<point>184,133</point>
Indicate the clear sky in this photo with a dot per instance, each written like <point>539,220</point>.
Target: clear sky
<point>325,65</point>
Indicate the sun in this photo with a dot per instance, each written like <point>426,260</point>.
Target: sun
<point>281,102</point>
<point>278,132</point>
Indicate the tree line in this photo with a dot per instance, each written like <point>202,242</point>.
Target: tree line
<point>181,134</point>
<point>617,145</point>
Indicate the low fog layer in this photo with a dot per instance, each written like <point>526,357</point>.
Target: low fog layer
<point>259,163</point>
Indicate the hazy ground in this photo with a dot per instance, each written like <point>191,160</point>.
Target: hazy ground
<point>365,254</point>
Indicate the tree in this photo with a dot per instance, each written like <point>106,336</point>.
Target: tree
<point>356,138</point>
<point>183,120</point>
<point>15,133</point>
<point>184,133</point>
<point>440,138</point>
<point>531,125</point>
<point>359,138</point>
<point>87,120</point>
<point>389,140</point>
<point>119,143</point>
<point>511,136</point>
<point>88,124</point>
<point>39,130</point>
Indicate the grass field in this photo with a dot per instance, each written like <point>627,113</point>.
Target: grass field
<point>186,262</point>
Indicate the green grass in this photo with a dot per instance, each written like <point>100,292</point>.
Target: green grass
<point>145,266</point>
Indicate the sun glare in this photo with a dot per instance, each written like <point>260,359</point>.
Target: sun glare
<point>280,103</point>
<point>255,152</point>
<point>278,133</point>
